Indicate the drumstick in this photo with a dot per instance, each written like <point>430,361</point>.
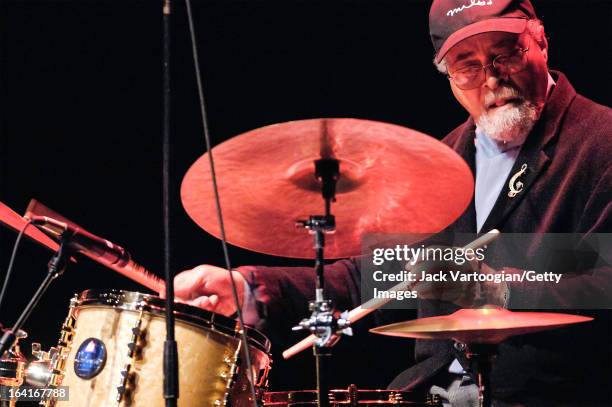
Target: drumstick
<point>134,272</point>
<point>366,308</point>
<point>131,270</point>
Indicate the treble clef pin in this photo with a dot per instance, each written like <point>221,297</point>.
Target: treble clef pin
<point>515,185</point>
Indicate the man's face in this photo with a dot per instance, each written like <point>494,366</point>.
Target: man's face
<point>504,105</point>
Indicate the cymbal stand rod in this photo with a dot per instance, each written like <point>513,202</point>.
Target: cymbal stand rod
<point>323,322</point>
<point>322,308</point>
<point>481,356</point>
<point>375,303</point>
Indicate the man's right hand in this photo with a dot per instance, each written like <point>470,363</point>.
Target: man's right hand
<point>209,287</point>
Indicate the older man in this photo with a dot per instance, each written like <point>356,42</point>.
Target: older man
<point>526,123</point>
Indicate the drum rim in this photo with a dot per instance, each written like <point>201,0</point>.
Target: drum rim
<point>132,301</point>
<point>342,397</point>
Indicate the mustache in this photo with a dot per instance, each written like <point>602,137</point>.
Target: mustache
<point>502,93</point>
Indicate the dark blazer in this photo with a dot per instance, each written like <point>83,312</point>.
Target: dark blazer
<point>567,188</point>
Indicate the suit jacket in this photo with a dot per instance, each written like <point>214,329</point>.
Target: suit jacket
<point>567,188</point>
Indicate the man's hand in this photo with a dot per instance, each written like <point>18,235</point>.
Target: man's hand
<point>462,294</point>
<point>465,294</point>
<point>209,287</point>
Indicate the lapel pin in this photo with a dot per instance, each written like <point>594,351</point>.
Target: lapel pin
<point>515,185</point>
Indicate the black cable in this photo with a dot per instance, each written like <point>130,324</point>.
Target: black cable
<point>12,262</point>
<point>245,342</point>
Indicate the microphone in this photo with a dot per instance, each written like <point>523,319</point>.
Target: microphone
<point>95,247</point>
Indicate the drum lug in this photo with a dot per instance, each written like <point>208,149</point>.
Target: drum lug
<point>127,381</point>
<point>434,400</point>
<point>229,373</point>
<point>353,395</point>
<point>55,360</point>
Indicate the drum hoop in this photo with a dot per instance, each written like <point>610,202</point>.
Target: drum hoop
<point>343,397</point>
<point>134,301</point>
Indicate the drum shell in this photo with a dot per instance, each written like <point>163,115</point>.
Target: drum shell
<point>207,350</point>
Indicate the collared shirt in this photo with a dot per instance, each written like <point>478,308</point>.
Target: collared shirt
<point>494,160</point>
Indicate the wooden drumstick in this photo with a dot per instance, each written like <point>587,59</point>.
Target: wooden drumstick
<point>366,308</point>
<point>134,272</point>
<point>131,269</point>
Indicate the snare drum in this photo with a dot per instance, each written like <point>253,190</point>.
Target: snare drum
<point>350,397</point>
<point>113,342</point>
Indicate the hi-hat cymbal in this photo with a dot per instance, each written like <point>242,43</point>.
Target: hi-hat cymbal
<point>489,325</point>
<point>393,180</point>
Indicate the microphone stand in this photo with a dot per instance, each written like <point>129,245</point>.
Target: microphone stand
<point>56,267</point>
<point>171,368</point>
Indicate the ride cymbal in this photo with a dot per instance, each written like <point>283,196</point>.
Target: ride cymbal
<point>392,180</point>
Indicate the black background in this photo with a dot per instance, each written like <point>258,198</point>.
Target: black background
<point>81,120</point>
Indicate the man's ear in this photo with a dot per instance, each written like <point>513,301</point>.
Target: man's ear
<point>543,43</point>
<point>544,48</point>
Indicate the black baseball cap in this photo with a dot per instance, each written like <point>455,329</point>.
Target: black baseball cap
<point>452,21</point>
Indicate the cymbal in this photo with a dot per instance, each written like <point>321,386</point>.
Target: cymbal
<point>488,325</point>
<point>393,180</point>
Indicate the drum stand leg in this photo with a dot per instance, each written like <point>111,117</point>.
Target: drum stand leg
<point>322,356</point>
<point>481,357</point>
<point>324,323</point>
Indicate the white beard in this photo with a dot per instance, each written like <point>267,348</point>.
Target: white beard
<point>511,122</point>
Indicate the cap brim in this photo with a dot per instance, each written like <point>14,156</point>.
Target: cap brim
<point>510,25</point>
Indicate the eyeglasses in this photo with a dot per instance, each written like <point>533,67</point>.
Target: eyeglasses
<point>473,75</point>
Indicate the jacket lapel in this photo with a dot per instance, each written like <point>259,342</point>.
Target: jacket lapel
<point>535,155</point>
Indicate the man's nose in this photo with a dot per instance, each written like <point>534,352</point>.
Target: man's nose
<point>493,77</point>
<point>492,81</point>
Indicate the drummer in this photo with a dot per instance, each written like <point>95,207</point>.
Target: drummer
<point>526,123</point>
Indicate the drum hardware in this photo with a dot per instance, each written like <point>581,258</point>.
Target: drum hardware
<point>56,267</point>
<point>39,371</point>
<point>324,322</point>
<point>352,396</point>
<point>481,357</point>
<point>12,368</point>
<point>47,370</point>
<point>127,379</point>
<point>230,373</point>
<point>375,303</point>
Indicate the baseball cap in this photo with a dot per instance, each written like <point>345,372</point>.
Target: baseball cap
<point>452,21</point>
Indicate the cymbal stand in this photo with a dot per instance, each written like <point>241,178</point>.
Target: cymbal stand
<point>481,357</point>
<point>324,322</point>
